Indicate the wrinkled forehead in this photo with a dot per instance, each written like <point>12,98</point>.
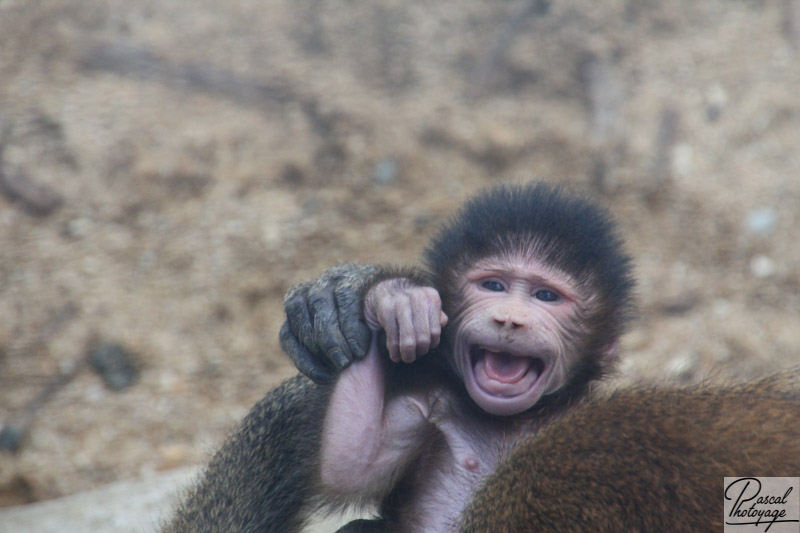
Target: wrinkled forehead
<point>563,252</point>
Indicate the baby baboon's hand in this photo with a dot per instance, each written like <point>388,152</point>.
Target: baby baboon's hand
<point>410,315</point>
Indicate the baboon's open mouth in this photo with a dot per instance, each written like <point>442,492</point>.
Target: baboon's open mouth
<point>502,373</point>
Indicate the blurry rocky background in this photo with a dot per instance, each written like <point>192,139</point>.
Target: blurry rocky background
<point>169,169</point>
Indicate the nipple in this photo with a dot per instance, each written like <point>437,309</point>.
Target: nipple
<point>471,463</point>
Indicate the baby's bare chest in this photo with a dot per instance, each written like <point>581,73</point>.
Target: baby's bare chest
<point>467,451</point>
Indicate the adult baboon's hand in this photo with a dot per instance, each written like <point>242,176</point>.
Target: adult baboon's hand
<point>325,329</point>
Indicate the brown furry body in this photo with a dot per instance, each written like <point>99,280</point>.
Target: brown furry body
<point>644,460</point>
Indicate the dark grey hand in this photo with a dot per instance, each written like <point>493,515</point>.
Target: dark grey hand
<point>325,329</point>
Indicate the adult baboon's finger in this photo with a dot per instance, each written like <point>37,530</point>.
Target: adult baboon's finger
<point>304,362</point>
<point>298,316</point>
<point>329,343</point>
<point>351,323</point>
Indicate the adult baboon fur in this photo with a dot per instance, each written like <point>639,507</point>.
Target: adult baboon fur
<point>644,459</point>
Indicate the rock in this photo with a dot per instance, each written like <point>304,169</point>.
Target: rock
<point>35,198</point>
<point>116,365</point>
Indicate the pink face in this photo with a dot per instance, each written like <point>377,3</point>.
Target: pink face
<point>515,335</point>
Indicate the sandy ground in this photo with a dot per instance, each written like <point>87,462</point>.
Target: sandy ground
<point>169,169</point>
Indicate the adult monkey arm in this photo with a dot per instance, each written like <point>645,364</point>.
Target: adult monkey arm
<point>265,476</point>
<point>325,328</point>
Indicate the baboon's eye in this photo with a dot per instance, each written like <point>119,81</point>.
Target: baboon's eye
<point>546,295</point>
<point>494,286</point>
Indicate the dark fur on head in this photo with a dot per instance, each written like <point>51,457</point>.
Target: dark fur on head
<point>564,231</point>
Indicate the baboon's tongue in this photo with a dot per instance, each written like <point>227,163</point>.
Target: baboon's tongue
<point>504,367</point>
